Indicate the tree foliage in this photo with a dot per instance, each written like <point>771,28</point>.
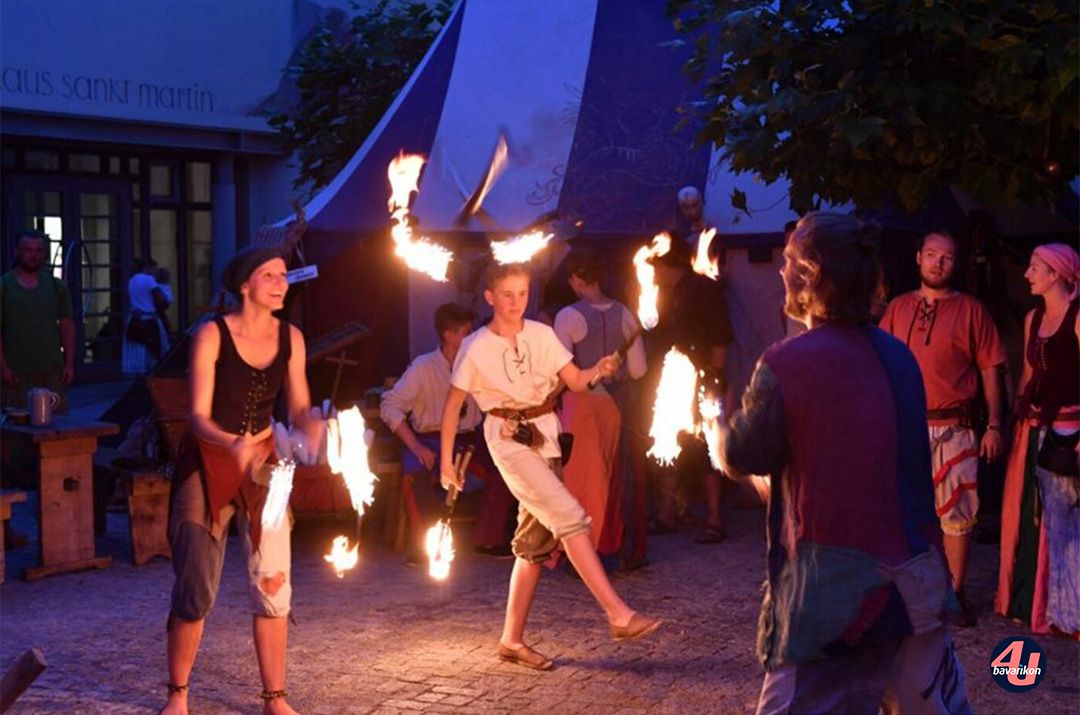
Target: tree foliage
<point>348,77</point>
<point>862,101</point>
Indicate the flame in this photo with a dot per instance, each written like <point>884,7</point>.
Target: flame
<point>646,276</point>
<point>277,499</point>
<point>420,254</point>
<point>673,411</point>
<point>439,544</point>
<point>346,454</point>
<point>702,264</point>
<point>711,412</point>
<point>404,175</point>
<point>520,249</point>
<point>341,557</point>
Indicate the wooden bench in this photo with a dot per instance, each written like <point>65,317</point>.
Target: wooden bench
<point>147,489</point>
<point>7,498</point>
<point>148,514</point>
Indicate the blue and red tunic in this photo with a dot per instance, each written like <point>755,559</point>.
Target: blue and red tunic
<point>837,417</point>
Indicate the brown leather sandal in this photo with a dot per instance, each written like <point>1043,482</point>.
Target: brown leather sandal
<point>524,655</point>
<point>639,626</point>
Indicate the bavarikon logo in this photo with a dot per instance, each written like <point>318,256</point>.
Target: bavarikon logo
<point>1017,664</point>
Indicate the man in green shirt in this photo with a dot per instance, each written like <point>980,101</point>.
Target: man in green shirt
<point>37,333</point>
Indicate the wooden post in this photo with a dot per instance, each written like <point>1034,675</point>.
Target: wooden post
<point>341,361</point>
<point>20,676</point>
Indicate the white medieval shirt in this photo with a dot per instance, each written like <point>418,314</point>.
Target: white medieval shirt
<point>513,373</point>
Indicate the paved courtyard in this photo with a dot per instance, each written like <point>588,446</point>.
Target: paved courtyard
<point>387,639</point>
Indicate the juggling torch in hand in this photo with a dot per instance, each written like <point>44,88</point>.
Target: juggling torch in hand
<point>439,542</point>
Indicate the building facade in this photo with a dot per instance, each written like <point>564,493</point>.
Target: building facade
<point>134,129</point>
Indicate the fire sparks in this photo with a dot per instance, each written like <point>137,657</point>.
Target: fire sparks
<point>277,499</point>
<point>673,411</point>
<point>341,557</point>
<point>346,453</point>
<point>520,249</point>
<point>702,264</point>
<point>646,277</point>
<point>439,545</point>
<point>420,254</point>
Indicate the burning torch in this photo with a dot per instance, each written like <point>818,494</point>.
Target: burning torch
<point>439,542</point>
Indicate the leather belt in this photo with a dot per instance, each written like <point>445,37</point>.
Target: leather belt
<point>526,413</point>
<point>948,413</point>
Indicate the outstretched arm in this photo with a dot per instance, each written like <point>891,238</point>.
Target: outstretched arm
<point>580,380</point>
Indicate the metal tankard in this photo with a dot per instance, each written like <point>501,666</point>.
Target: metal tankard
<point>42,402</point>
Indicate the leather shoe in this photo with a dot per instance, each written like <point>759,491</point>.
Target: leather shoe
<point>524,655</point>
<point>639,626</point>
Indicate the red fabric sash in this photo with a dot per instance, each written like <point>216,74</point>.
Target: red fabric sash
<point>225,482</point>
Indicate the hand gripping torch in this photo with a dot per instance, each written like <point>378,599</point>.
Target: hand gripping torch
<point>461,464</point>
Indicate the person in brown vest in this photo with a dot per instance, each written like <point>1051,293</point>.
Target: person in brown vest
<point>240,362</point>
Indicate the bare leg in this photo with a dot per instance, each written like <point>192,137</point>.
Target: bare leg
<point>271,637</point>
<point>182,646</point>
<point>523,581</point>
<point>956,553</point>
<point>583,556</point>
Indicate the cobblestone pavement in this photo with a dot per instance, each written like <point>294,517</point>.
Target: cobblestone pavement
<point>387,639</point>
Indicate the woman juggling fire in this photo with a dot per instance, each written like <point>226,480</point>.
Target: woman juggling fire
<point>240,362</point>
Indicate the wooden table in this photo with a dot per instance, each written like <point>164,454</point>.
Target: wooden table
<point>66,492</point>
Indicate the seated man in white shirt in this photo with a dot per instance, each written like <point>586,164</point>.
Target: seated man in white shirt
<point>413,410</point>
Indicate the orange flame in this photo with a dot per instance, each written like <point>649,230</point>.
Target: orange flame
<point>520,249</point>
<point>646,277</point>
<point>341,557</point>
<point>420,254</point>
<point>702,264</point>
<point>673,411</point>
<point>439,544</point>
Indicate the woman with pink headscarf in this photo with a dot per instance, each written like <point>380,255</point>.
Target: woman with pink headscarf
<point>1038,581</point>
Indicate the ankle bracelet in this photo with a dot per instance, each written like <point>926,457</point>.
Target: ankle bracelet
<point>268,695</point>
<point>174,689</point>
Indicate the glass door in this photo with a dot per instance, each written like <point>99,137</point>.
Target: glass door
<point>101,259</point>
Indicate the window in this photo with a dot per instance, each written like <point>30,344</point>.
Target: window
<point>163,249</point>
<point>198,182</point>
<point>161,181</point>
<point>42,160</point>
<point>199,260</point>
<point>87,163</point>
